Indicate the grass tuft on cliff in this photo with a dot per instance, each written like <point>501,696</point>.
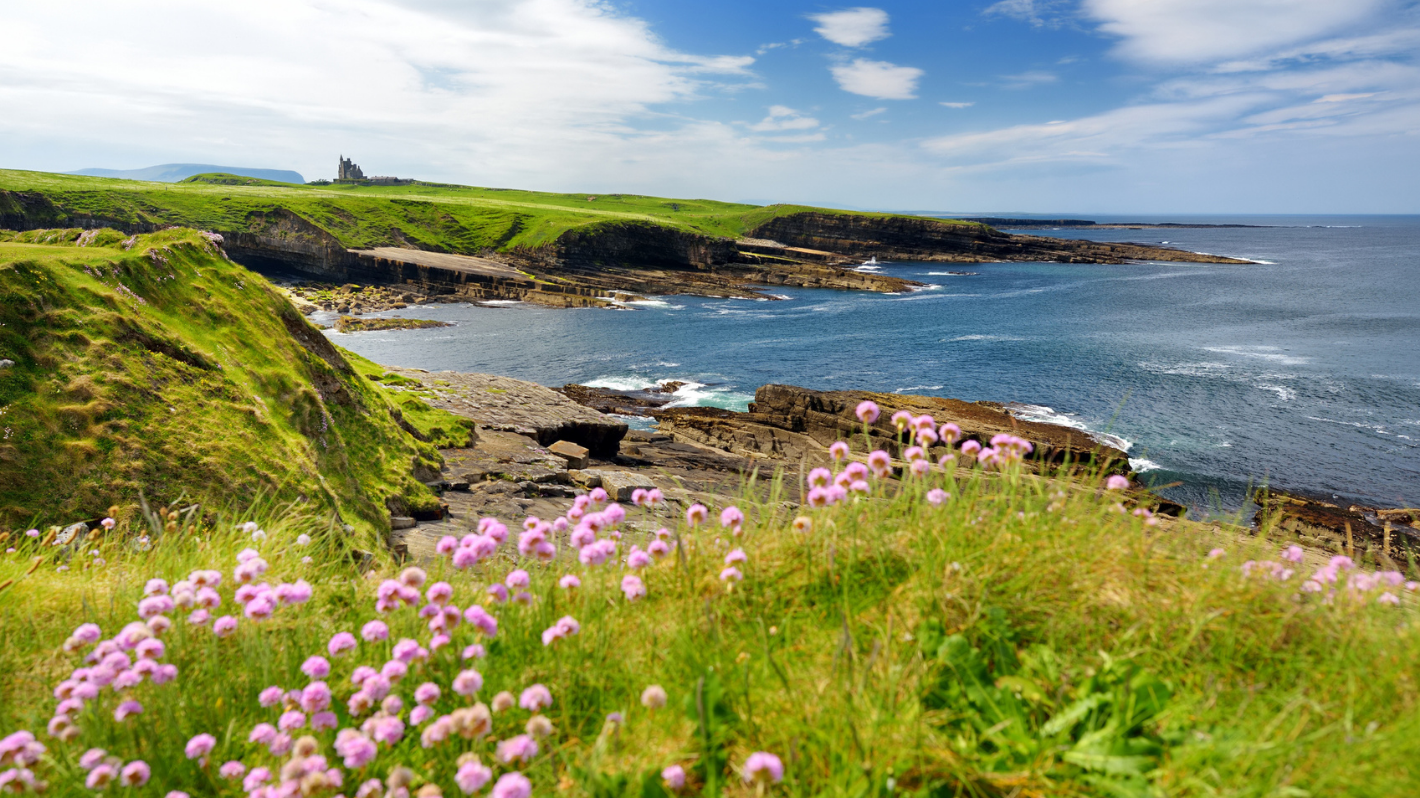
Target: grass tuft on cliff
<point>1016,639</point>
<point>153,363</point>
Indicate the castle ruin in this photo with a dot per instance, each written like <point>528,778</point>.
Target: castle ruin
<point>348,170</point>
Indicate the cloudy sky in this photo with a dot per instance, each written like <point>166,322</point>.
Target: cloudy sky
<point>1129,106</point>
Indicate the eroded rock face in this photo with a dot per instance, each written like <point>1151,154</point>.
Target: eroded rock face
<point>791,423</point>
<point>1352,530</point>
<point>509,405</point>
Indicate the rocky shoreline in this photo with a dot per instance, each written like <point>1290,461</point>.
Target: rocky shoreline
<point>539,447</point>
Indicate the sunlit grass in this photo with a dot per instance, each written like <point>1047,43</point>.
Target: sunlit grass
<point>1020,639</point>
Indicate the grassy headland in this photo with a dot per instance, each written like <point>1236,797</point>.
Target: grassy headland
<point>439,217</point>
<point>154,363</point>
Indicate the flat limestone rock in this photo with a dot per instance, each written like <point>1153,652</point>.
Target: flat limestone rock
<point>619,485</point>
<point>576,456</point>
<point>509,405</point>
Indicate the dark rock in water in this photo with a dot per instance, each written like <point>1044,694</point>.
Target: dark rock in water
<point>623,403</point>
<point>1351,530</point>
<point>509,405</point>
<point>788,422</point>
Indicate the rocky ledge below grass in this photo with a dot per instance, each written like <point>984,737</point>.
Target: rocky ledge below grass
<point>350,324</point>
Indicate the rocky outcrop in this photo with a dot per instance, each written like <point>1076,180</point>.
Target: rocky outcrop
<point>919,238</point>
<point>788,422</point>
<point>1389,534</point>
<point>526,408</point>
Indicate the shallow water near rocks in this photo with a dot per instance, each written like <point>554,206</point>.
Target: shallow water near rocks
<point>1303,371</point>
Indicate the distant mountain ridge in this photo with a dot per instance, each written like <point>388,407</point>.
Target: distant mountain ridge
<point>174,172</point>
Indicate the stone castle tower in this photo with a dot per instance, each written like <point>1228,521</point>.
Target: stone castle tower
<point>348,170</point>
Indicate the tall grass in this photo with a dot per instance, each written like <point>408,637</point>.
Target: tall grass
<point>1023,638</point>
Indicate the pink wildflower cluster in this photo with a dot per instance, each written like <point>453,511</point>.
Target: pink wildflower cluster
<point>20,752</point>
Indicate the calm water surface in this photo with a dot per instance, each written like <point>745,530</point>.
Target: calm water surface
<point>1302,370</point>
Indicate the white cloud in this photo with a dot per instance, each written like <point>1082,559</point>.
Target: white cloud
<point>957,105</point>
<point>853,27</point>
<point>869,114</point>
<point>1341,98</point>
<point>1036,12</point>
<point>1200,31</point>
<point>877,79</point>
<point>506,90</point>
<point>1027,80</point>
<point>782,117</point>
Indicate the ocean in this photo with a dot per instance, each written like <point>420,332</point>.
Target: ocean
<point>1301,371</point>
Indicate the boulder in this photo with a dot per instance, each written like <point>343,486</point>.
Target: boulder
<point>619,485</point>
<point>576,456</point>
<point>1352,530</point>
<point>402,522</point>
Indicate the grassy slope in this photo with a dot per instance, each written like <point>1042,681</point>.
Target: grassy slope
<point>167,368</point>
<point>1011,642</point>
<point>449,218</point>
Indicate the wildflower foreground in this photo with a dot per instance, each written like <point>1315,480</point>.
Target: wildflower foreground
<point>955,631</point>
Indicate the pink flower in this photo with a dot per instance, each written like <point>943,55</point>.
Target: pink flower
<point>637,558</point>
<point>426,693</point>
<point>388,730</point>
<point>413,577</point>
<point>937,496</point>
<point>731,518</point>
<point>569,581</point>
<point>867,412</point>
<point>658,548</point>
<point>512,785</point>
<point>468,682</point>
<point>1214,554</point>
<point>633,587</point>
<point>394,670</point>
<point>521,748</point>
<point>407,650</point>
<point>970,448</point>
<point>472,776</point>
<point>232,770</point>
<point>322,721</point>
<point>1116,482</point>
<point>535,697</point>
<point>517,578</point>
<point>696,514</point>
<point>135,774</point>
<point>439,593</point>
<point>731,574</point>
<point>763,768</point>
<point>497,593</point>
<point>838,451</point>
<point>340,643</point>
<point>100,777</point>
<point>225,626</point>
<point>674,778</point>
<point>1292,554</point>
<point>316,667</point>
<point>290,721</point>
<point>126,710</point>
<point>880,462</point>
<point>446,545</point>
<point>315,697</point>
<point>1388,598</point>
<point>261,734</point>
<point>200,746</point>
<point>375,630</point>
<point>94,757</point>
<point>256,778</point>
<point>480,618</point>
<point>474,651</point>
<point>420,714</point>
<point>736,555</point>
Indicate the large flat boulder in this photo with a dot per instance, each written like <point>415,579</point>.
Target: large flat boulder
<point>526,408</point>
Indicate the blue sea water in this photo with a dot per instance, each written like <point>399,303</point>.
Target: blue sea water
<point>1301,370</point>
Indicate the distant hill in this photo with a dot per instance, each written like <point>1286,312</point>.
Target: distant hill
<point>175,172</point>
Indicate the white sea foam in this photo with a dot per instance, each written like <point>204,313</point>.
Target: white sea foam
<point>986,338</point>
<point>1049,415</point>
<point>948,274</point>
<point>1271,353</point>
<point>621,383</point>
<point>1283,393</point>
<point>1142,464</point>
<point>918,388</point>
<point>500,302</point>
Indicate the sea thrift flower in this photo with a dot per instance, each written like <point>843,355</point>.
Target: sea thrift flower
<point>100,777</point>
<point>880,463</point>
<point>653,697</point>
<point>637,558</point>
<point>696,514</point>
<point>225,626</point>
<point>474,651</point>
<point>261,734</point>
<point>315,697</point>
<point>512,785</point>
<point>426,693</point>
<point>1214,554</point>
<point>468,682</point>
<point>731,574</point>
<point>521,748</point>
<point>340,643</point>
<point>534,698</point>
<point>316,667</point>
<point>200,746</point>
<point>674,778</point>
<point>439,593</point>
<point>517,578</point>
<point>323,721</point>
<point>569,581</point>
<point>497,593</point>
<point>763,768</point>
<point>731,518</point>
<point>93,757</point>
<point>477,616</point>
<point>232,770</point>
<point>867,412</point>
<point>937,496</point>
<point>446,545</point>
<point>375,630</point>
<point>472,776</point>
<point>970,448</point>
<point>134,774</point>
<point>633,587</point>
<point>1116,482</point>
<point>126,710</point>
<point>1292,554</point>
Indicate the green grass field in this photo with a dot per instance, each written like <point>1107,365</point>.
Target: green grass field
<point>447,218</point>
<point>1017,640</point>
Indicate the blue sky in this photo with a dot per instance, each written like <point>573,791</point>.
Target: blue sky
<point>1079,106</point>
